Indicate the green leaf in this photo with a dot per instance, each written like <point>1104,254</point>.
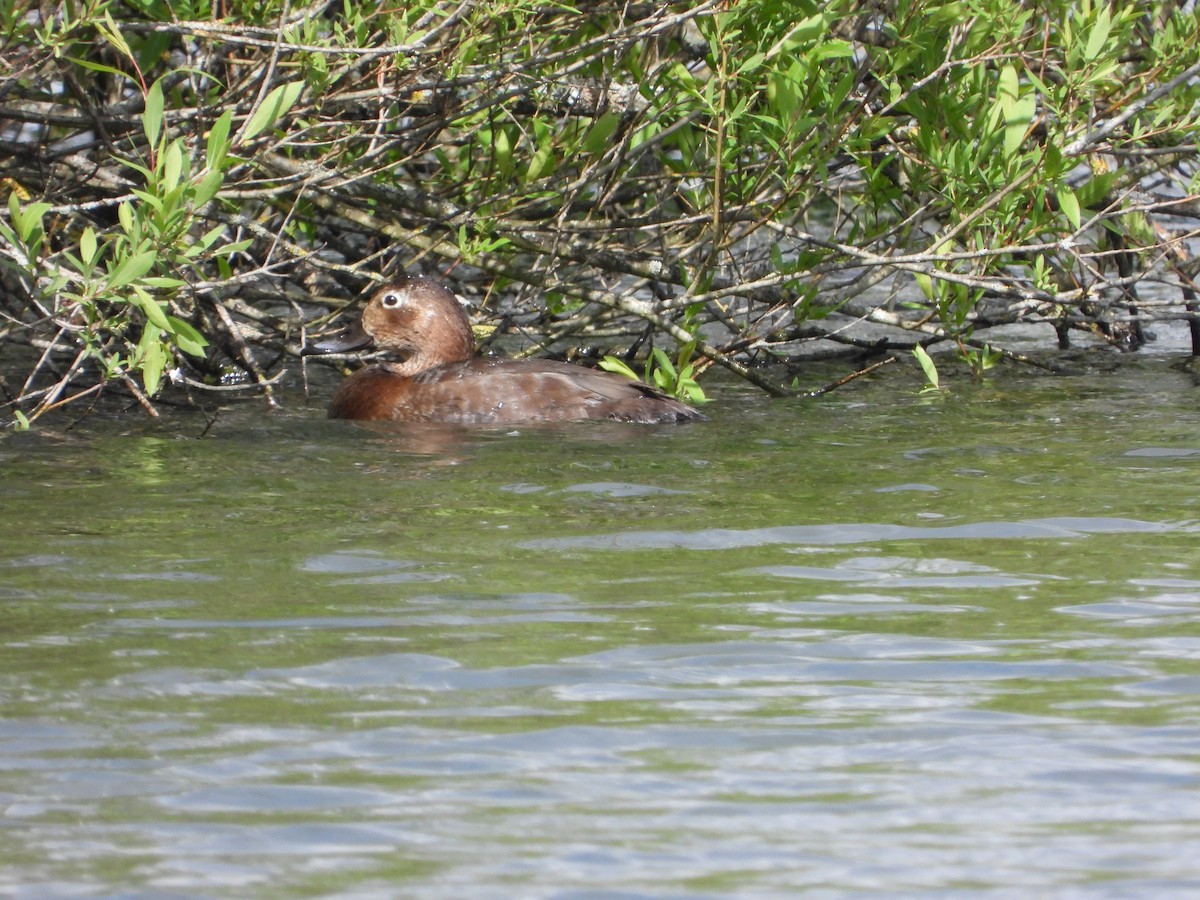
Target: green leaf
<point>927,365</point>
<point>27,220</point>
<point>1069,204</point>
<point>751,64</point>
<point>807,30</point>
<point>131,268</point>
<point>151,200</point>
<point>161,281</point>
<point>542,161</point>
<point>1017,127</point>
<point>1016,111</point>
<point>210,236</point>
<point>218,141</point>
<point>1098,36</point>
<point>834,50</point>
<point>208,187</point>
<point>201,246</point>
<point>783,94</point>
<point>231,249</point>
<point>87,248</point>
<point>100,67</point>
<point>596,141</point>
<point>187,338</point>
<point>925,283</point>
<point>619,366</point>
<point>1007,87</point>
<point>108,28</point>
<point>136,166</point>
<point>154,361</point>
<point>152,308</point>
<point>504,149</point>
<point>274,106</point>
<point>172,165</point>
<point>152,116</point>
<point>664,364</point>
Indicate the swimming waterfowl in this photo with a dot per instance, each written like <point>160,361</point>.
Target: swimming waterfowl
<point>440,379</point>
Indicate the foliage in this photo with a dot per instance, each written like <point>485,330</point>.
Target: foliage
<point>676,378</point>
<point>190,182</point>
<point>933,379</point>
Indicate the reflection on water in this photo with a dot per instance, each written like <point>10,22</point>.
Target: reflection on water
<point>847,647</point>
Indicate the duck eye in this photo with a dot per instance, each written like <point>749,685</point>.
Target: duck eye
<point>391,301</point>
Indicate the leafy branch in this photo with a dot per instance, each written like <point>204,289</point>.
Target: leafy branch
<point>754,183</point>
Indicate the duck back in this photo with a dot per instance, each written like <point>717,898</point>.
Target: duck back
<point>483,391</point>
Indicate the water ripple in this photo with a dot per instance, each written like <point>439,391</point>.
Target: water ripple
<point>1059,527</point>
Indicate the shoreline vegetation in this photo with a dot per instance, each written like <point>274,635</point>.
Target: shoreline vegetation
<point>189,190</point>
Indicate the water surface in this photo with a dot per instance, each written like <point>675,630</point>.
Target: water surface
<point>874,644</point>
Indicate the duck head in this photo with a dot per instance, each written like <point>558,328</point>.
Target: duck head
<point>413,317</point>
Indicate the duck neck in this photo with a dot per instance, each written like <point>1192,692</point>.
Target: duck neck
<point>416,364</point>
<point>449,349</point>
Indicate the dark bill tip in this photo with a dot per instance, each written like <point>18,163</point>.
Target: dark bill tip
<point>353,338</point>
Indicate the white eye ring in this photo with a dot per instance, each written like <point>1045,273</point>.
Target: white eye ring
<point>391,300</point>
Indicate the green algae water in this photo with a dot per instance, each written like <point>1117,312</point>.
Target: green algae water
<point>856,646</point>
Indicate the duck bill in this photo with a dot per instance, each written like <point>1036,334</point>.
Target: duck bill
<point>353,338</point>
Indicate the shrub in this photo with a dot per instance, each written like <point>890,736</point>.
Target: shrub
<point>738,179</point>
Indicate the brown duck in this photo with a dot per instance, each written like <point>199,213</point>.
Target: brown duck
<point>440,379</point>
